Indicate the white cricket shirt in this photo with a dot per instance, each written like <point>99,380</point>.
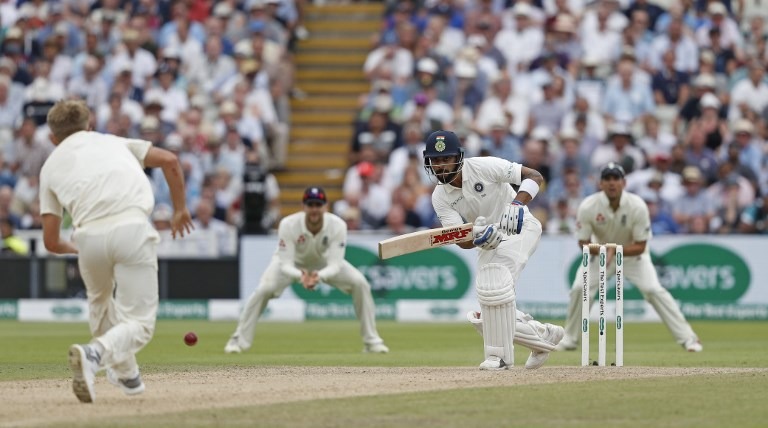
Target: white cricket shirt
<point>630,223</point>
<point>94,175</point>
<point>485,191</point>
<point>299,249</point>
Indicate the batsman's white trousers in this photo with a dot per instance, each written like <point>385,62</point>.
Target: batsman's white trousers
<point>348,279</point>
<point>638,270</point>
<point>514,253</point>
<point>118,263</point>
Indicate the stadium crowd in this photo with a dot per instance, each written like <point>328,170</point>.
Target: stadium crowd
<point>674,90</point>
<point>207,80</point>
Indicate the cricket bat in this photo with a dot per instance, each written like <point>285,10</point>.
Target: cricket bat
<point>424,240</point>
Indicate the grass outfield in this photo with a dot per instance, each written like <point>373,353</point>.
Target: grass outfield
<point>38,351</point>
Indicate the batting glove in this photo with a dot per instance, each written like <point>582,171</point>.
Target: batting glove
<point>512,220</point>
<point>486,237</point>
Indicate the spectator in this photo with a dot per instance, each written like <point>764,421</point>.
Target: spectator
<point>550,111</point>
<point>669,85</point>
<point>750,147</point>
<point>501,143</point>
<point>696,208</point>
<point>698,154</point>
<point>89,84</point>
<point>755,218</point>
<point>749,95</point>
<point>684,47</point>
<point>522,43</point>
<point>224,234</point>
<point>11,244</point>
<point>660,178</point>
<point>405,156</point>
<point>729,34</point>
<point>502,104</point>
<point>627,98</point>
<point>389,60</point>
<point>562,222</point>
<point>619,148</point>
<point>691,109</point>
<point>662,222</point>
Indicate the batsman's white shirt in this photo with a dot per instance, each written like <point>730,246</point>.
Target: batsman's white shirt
<point>630,223</point>
<point>298,248</point>
<point>94,175</point>
<point>485,191</point>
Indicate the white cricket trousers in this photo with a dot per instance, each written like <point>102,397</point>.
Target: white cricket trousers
<point>514,253</point>
<point>640,271</point>
<point>118,263</point>
<point>349,280</point>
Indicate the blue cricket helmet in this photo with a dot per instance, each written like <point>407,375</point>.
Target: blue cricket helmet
<point>443,143</point>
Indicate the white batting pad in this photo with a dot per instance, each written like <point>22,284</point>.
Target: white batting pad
<point>496,295</point>
<point>532,334</point>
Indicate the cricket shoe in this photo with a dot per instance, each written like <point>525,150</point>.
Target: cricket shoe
<point>375,348</point>
<point>494,363</point>
<point>133,386</point>
<point>554,335</point>
<point>232,347</point>
<point>693,345</point>
<point>84,362</point>
<point>566,345</point>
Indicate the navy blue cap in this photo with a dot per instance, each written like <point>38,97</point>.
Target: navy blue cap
<point>442,143</point>
<point>612,170</point>
<point>314,194</point>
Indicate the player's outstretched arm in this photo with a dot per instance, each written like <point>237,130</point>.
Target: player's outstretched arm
<point>181,222</point>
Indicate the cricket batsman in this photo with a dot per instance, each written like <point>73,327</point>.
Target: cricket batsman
<point>505,235</point>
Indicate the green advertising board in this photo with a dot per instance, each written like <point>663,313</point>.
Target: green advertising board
<point>437,274</point>
<point>692,273</point>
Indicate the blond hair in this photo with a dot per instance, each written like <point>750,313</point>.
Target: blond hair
<point>67,117</point>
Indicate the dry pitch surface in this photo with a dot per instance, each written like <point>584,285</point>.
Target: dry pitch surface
<point>39,402</point>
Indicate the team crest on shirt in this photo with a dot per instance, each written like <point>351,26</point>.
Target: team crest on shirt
<point>624,220</point>
<point>600,218</point>
<point>479,187</point>
<point>301,239</point>
<point>325,241</point>
<point>281,244</point>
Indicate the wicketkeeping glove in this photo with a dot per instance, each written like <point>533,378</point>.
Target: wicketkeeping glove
<point>512,220</point>
<point>486,237</point>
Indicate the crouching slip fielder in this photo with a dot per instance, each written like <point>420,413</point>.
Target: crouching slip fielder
<point>479,189</point>
<point>311,250</point>
<point>616,216</point>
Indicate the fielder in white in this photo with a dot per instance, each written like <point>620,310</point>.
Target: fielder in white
<point>311,250</point>
<point>619,217</point>
<point>99,180</point>
<point>479,190</point>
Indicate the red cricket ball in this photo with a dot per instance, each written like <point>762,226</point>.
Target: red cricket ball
<point>190,339</point>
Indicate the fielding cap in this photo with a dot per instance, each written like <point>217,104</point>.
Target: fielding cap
<point>314,194</point>
<point>442,143</point>
<point>612,170</point>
